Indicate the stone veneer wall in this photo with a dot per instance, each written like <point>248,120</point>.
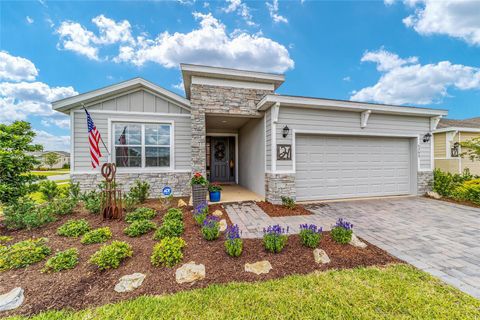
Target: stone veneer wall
<point>178,181</point>
<point>278,185</point>
<point>424,182</point>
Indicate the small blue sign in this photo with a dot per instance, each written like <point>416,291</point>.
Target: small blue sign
<point>167,191</point>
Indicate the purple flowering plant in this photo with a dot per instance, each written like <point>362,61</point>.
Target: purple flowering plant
<point>200,212</point>
<point>310,235</point>
<point>211,228</point>
<point>342,231</point>
<point>233,242</point>
<point>275,238</point>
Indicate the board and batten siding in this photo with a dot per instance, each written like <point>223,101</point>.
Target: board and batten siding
<point>251,156</point>
<point>268,140</point>
<point>440,145</point>
<point>346,121</point>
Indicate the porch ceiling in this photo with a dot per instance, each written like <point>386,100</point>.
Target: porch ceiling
<point>225,122</point>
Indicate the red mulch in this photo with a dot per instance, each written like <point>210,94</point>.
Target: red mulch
<point>85,286</point>
<point>278,210</point>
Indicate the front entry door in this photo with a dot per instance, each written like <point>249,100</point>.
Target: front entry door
<point>221,159</point>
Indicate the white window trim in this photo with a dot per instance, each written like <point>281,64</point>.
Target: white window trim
<point>171,168</point>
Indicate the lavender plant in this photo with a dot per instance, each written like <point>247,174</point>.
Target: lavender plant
<point>342,231</point>
<point>233,243</point>
<point>200,212</point>
<point>211,228</point>
<point>310,235</point>
<point>275,238</point>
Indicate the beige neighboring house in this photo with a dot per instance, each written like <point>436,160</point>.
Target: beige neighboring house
<point>63,158</point>
<point>447,150</point>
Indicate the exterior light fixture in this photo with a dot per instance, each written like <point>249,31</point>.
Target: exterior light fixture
<point>286,130</point>
<point>426,137</point>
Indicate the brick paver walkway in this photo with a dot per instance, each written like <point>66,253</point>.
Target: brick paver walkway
<point>438,237</point>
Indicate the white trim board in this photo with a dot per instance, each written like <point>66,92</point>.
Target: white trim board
<point>457,129</point>
<point>219,134</point>
<point>133,113</point>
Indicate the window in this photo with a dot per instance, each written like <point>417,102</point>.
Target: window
<point>142,145</point>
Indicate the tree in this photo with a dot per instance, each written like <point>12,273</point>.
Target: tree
<point>16,162</point>
<point>51,159</point>
<point>473,149</point>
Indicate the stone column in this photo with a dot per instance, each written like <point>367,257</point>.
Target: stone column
<point>199,160</point>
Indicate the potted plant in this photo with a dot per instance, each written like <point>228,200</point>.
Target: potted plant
<point>214,189</point>
<point>199,189</point>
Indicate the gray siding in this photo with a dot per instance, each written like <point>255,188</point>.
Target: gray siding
<point>343,121</point>
<point>268,139</point>
<point>251,156</point>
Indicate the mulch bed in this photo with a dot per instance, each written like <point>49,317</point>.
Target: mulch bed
<point>278,210</point>
<point>462,202</point>
<point>85,286</point>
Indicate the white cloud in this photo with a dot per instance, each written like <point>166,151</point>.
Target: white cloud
<point>455,18</point>
<point>52,142</point>
<point>347,79</point>
<point>29,20</point>
<point>111,31</point>
<point>59,121</point>
<point>406,81</point>
<point>16,68</point>
<point>242,10</point>
<point>209,44</point>
<point>273,10</point>
<point>179,86</point>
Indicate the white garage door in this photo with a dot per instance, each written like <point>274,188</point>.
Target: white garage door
<point>332,167</point>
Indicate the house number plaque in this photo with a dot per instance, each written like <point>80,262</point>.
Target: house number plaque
<point>284,152</point>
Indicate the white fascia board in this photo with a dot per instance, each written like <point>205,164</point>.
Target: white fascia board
<point>457,129</point>
<point>75,101</point>
<point>319,103</point>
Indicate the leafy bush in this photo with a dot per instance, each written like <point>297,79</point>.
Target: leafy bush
<point>173,214</point>
<point>233,243</point>
<point>211,228</point>
<point>169,228</point>
<point>110,256</point>
<point>129,203</point>
<point>23,254</point>
<point>468,191</point>
<point>168,252</point>
<point>275,238</point>
<point>92,201</point>
<point>288,202</point>
<point>140,191</point>
<point>25,214</point>
<point>5,239</point>
<point>49,190</point>
<point>63,206</point>
<point>97,236</point>
<point>310,235</point>
<point>62,260</point>
<point>200,213</point>
<point>140,214</point>
<point>72,191</point>
<point>139,227</point>
<point>342,231</point>
<point>73,228</point>
<point>445,183</point>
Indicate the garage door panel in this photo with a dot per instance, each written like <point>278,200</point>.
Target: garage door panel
<point>347,166</point>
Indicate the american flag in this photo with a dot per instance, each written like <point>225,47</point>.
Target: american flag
<point>93,139</point>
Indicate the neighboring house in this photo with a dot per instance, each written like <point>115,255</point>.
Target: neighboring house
<point>447,138</point>
<point>233,127</point>
<point>63,158</point>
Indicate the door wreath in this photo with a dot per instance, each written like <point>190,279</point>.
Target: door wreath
<point>219,151</point>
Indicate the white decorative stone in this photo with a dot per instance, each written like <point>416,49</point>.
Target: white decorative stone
<point>190,272</point>
<point>357,242</point>
<point>129,282</point>
<point>320,256</point>
<point>259,267</point>
<point>217,213</point>
<point>181,203</point>
<point>434,195</point>
<point>12,299</point>
<point>223,225</point>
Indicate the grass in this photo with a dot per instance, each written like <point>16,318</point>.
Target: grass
<point>48,173</point>
<point>398,291</point>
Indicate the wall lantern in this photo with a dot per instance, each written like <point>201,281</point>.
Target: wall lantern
<point>426,137</point>
<point>286,130</point>
<point>454,151</point>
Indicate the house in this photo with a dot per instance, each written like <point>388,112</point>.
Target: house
<point>63,158</point>
<point>447,149</point>
<point>234,128</point>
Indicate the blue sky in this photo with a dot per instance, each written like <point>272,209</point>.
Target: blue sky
<point>414,52</point>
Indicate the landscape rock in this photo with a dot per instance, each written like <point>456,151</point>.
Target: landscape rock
<point>357,242</point>
<point>320,256</point>
<point>434,195</point>
<point>190,272</point>
<point>12,299</point>
<point>259,267</point>
<point>217,213</point>
<point>129,282</point>
<point>223,225</point>
<point>181,203</point>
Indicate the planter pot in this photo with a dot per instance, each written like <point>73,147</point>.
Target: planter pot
<point>215,196</point>
<point>199,194</point>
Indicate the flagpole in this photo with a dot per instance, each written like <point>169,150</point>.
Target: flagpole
<point>101,139</point>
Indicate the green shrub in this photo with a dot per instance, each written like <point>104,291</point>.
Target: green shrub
<point>49,190</point>
<point>73,228</point>
<point>173,214</point>
<point>62,260</point>
<point>211,228</point>
<point>275,238</point>
<point>97,236</point>
<point>92,201</point>
<point>140,191</point>
<point>468,191</point>
<point>63,206</point>
<point>140,214</point>
<point>110,256</point>
<point>72,191</point>
<point>310,235</point>
<point>5,239</point>
<point>168,252</point>
<point>342,231</point>
<point>129,203</point>
<point>170,228</point>
<point>445,183</point>
<point>139,227</point>
<point>25,214</point>
<point>23,253</point>
<point>288,202</point>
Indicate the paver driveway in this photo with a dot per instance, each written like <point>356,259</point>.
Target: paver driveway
<point>436,236</point>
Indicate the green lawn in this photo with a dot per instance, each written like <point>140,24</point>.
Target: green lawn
<point>398,291</point>
<point>48,173</point>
